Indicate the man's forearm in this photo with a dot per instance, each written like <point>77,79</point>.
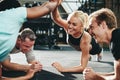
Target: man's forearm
<point>18,67</point>
<point>50,5</point>
<point>42,10</point>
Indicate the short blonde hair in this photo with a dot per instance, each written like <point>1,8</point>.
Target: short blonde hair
<point>83,17</point>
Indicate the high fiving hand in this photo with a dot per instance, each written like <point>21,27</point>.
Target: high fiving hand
<point>58,1</point>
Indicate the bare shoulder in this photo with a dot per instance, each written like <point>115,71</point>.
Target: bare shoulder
<point>86,37</point>
<point>85,42</point>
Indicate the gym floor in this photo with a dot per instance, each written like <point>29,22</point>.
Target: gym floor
<point>68,57</point>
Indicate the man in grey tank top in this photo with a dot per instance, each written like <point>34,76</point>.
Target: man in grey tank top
<point>24,44</point>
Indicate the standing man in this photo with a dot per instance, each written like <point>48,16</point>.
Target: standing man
<point>11,21</point>
<point>103,25</point>
<point>24,44</point>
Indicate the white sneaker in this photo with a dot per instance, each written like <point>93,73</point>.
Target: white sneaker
<point>90,58</point>
<point>99,58</point>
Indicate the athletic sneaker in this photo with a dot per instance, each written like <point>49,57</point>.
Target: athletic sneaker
<point>90,58</point>
<point>99,58</point>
